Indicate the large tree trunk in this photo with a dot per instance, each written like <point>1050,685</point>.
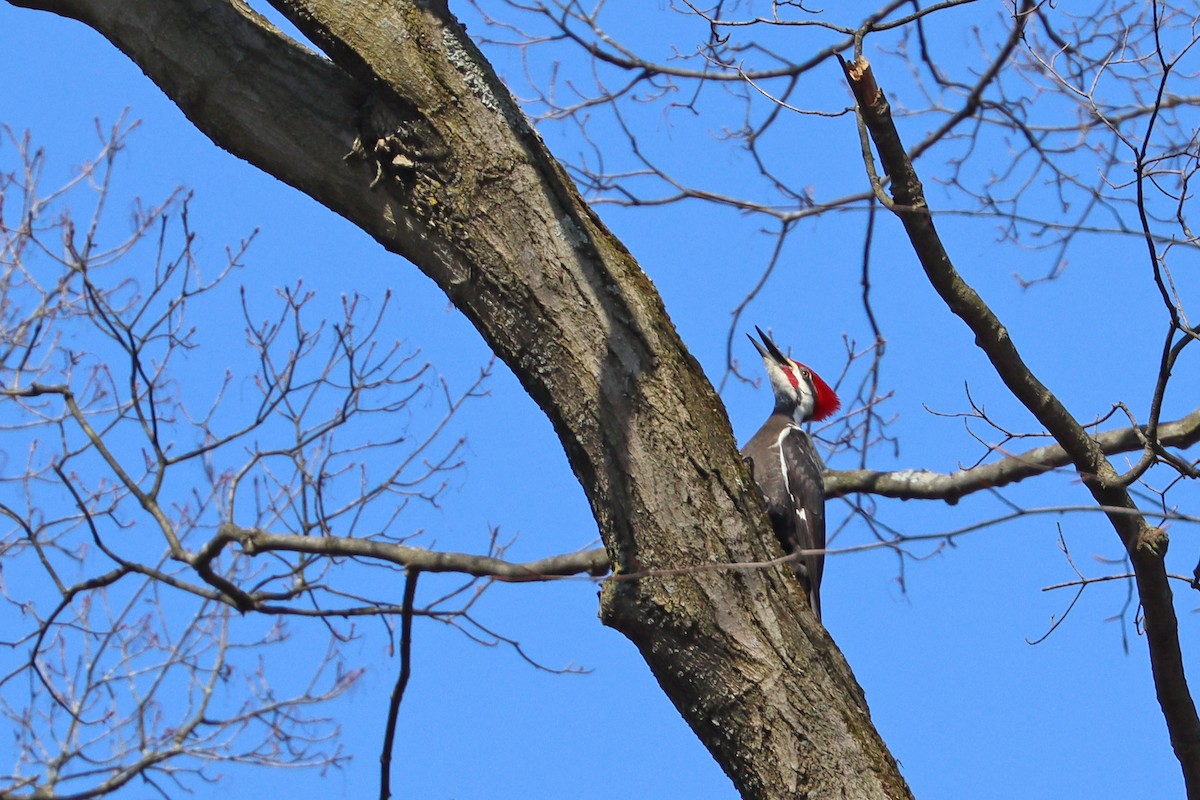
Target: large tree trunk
<point>409,134</point>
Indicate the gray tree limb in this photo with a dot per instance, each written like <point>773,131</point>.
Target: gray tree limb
<point>915,484</point>
<point>1145,544</point>
<point>407,132</point>
<point>254,541</point>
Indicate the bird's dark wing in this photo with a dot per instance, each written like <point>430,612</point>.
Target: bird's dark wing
<point>788,471</point>
<point>807,529</point>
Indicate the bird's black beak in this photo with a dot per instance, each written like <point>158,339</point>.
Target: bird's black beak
<point>771,351</point>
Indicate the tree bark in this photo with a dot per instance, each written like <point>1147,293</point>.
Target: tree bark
<point>407,132</point>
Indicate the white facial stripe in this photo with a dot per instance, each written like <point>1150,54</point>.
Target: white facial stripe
<point>803,396</point>
<point>806,395</point>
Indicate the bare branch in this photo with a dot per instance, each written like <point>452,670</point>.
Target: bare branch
<point>921,484</point>
<point>254,542</point>
<point>1146,545</point>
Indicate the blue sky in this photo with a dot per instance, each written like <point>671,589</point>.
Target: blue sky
<point>966,705</point>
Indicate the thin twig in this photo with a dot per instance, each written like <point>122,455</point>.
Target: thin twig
<point>389,736</point>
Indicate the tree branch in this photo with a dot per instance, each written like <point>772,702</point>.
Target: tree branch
<point>389,735</point>
<point>444,169</point>
<point>254,542</point>
<point>1145,544</point>
<point>925,485</point>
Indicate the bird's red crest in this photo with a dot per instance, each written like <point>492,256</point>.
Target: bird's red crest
<point>826,401</point>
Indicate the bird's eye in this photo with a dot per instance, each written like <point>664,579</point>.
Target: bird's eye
<point>805,373</point>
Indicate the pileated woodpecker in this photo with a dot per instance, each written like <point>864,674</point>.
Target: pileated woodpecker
<point>786,466</point>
